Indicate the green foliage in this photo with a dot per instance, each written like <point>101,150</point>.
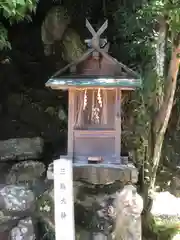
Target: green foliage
<point>14,11</point>
<point>141,107</point>
<point>137,26</point>
<point>165,229</point>
<point>133,34</point>
<point>136,36</point>
<point>160,228</point>
<point>169,9</point>
<point>3,37</point>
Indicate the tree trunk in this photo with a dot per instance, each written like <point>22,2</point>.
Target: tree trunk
<point>160,62</point>
<point>162,117</point>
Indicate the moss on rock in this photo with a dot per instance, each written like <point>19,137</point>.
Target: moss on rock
<point>161,228</point>
<point>73,47</point>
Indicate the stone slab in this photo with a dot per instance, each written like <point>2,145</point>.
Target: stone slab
<point>21,149</point>
<point>101,173</point>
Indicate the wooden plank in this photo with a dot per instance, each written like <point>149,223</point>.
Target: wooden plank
<point>118,125</point>
<point>90,28</point>
<point>100,31</point>
<point>77,61</point>
<point>102,28</point>
<point>83,88</point>
<point>94,133</point>
<point>94,146</point>
<point>63,199</point>
<point>71,122</point>
<point>113,60</point>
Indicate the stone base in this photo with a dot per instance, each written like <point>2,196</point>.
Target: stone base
<point>104,207</point>
<point>101,173</point>
<point>105,173</point>
<point>102,212</point>
<point>108,211</point>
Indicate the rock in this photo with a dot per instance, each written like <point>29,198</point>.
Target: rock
<point>14,100</point>
<point>16,203</point>
<point>25,172</point>
<point>82,234</point>
<point>175,186</point>
<point>33,114</point>
<point>7,222</point>
<point>161,206</point>
<point>176,237</point>
<point>97,210</point>
<point>100,211</point>
<point>30,174</point>
<point>128,207</point>
<point>38,113</point>
<point>53,27</point>
<point>21,148</point>
<point>23,231</point>
<point>166,214</point>
<point>16,199</point>
<point>73,47</point>
<point>13,127</point>
<point>62,115</point>
<point>50,171</point>
<point>5,168</point>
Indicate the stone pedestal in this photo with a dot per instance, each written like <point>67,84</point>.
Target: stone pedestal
<point>107,213</point>
<point>101,174</point>
<point>107,205</point>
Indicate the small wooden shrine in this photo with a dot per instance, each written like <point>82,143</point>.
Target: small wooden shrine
<point>95,83</point>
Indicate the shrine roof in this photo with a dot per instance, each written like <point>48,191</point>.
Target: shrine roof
<point>95,68</point>
<point>107,72</point>
<point>93,81</point>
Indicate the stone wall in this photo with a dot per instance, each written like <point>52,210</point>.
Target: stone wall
<point>27,200</point>
<point>21,183</point>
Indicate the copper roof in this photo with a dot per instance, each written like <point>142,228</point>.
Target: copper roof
<point>95,64</point>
